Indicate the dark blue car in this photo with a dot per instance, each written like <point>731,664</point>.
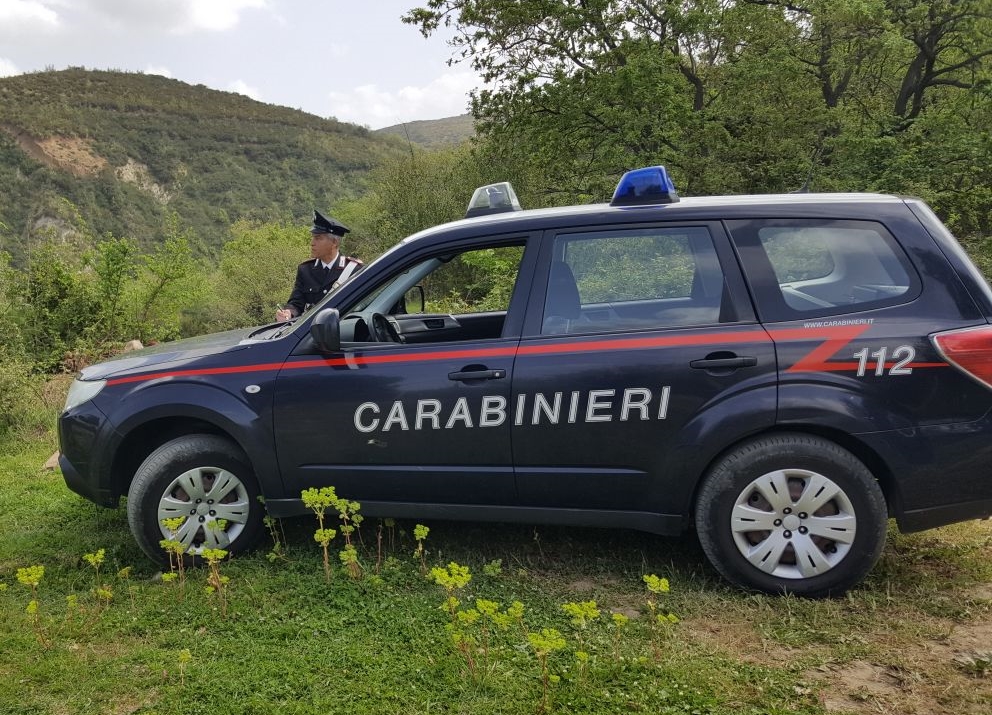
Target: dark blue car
<point>781,373</point>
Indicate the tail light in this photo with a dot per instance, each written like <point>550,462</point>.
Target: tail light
<point>969,350</point>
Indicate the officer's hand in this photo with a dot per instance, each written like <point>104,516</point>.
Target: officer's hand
<point>284,314</point>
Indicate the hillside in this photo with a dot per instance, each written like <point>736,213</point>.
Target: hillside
<point>433,133</point>
<point>129,150</point>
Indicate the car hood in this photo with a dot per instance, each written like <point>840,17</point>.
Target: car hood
<point>164,353</point>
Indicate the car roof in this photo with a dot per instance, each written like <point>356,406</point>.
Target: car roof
<point>811,205</point>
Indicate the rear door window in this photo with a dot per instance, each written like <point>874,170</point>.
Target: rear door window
<point>638,279</point>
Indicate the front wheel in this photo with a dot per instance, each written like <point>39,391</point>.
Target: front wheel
<point>206,485</point>
<point>791,514</point>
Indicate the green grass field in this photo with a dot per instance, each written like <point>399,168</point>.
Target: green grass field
<point>916,637</point>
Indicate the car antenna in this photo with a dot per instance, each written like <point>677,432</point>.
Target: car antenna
<point>805,188</point>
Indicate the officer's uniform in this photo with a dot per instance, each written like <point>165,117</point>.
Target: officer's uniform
<point>313,279</point>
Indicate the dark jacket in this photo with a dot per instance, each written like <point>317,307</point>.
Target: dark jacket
<point>313,281</point>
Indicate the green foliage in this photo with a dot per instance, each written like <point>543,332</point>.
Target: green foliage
<point>176,552</point>
<point>544,643</point>
<point>581,613</point>
<point>129,149</point>
<point>169,289</point>
<point>744,97</point>
<point>80,298</point>
<point>31,576</point>
<point>434,133</point>
<point>96,560</point>
<point>925,584</point>
<point>409,193</point>
<point>420,533</point>
<point>257,269</point>
<point>319,501</point>
<point>660,620</point>
<point>216,582</point>
<point>20,396</point>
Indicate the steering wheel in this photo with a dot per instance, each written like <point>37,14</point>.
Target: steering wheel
<point>384,331</point>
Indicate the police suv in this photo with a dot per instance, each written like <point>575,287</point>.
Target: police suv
<point>782,373</point>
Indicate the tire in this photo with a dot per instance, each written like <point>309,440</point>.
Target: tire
<point>180,472</point>
<point>791,513</point>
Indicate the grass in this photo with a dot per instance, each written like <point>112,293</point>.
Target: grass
<point>913,638</point>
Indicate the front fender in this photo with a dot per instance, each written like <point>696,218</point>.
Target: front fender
<point>229,409</point>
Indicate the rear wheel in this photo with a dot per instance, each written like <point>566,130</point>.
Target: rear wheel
<point>791,514</point>
<point>207,482</point>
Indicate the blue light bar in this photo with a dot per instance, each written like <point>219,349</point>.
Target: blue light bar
<point>650,185</point>
<point>493,199</point>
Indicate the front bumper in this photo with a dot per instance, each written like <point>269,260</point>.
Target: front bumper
<point>83,436</point>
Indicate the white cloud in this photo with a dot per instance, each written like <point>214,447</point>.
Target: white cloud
<point>24,16</point>
<point>445,96</point>
<point>220,14</point>
<point>182,16</point>
<point>241,87</point>
<point>8,68</point>
<point>162,71</point>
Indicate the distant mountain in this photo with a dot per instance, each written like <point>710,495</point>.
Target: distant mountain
<point>129,150</point>
<point>433,133</point>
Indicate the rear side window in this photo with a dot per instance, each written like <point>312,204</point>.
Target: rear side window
<point>633,280</point>
<point>812,268</point>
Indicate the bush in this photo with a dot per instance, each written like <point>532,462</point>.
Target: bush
<point>22,407</point>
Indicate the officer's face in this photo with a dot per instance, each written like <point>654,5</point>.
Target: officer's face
<point>324,246</point>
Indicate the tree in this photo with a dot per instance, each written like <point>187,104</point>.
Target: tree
<point>257,269</point>
<point>746,96</point>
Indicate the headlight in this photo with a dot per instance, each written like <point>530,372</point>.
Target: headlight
<point>82,391</point>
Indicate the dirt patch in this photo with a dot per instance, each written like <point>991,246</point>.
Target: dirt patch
<point>583,586</point>
<point>73,155</point>
<point>136,173</point>
<point>924,679</point>
<point>981,593</point>
<point>70,154</point>
<point>741,641</point>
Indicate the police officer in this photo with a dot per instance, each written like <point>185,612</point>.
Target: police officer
<point>326,269</point>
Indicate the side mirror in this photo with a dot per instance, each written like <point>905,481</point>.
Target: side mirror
<point>413,300</point>
<point>326,331</point>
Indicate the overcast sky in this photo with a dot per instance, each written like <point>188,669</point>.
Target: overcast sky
<point>349,59</point>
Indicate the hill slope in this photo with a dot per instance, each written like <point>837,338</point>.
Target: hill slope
<point>433,133</point>
<point>129,150</point>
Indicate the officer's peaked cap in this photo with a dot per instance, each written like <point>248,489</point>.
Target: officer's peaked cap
<point>324,224</point>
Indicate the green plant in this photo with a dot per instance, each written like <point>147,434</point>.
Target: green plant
<point>581,614</point>
<point>544,643</point>
<point>452,578</point>
<point>71,606</point>
<point>31,576</point>
<point>390,525</point>
<point>472,629</point>
<point>660,622</point>
<point>318,501</point>
<point>493,568</point>
<point>95,560</point>
<point>184,658</point>
<point>216,582</point>
<point>619,624</point>
<point>125,575</point>
<point>349,559</point>
<point>176,552</point>
<point>420,533</point>
<point>274,526</point>
<point>350,521</point>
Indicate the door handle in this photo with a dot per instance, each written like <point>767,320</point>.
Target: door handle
<point>725,362</point>
<point>477,375</point>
